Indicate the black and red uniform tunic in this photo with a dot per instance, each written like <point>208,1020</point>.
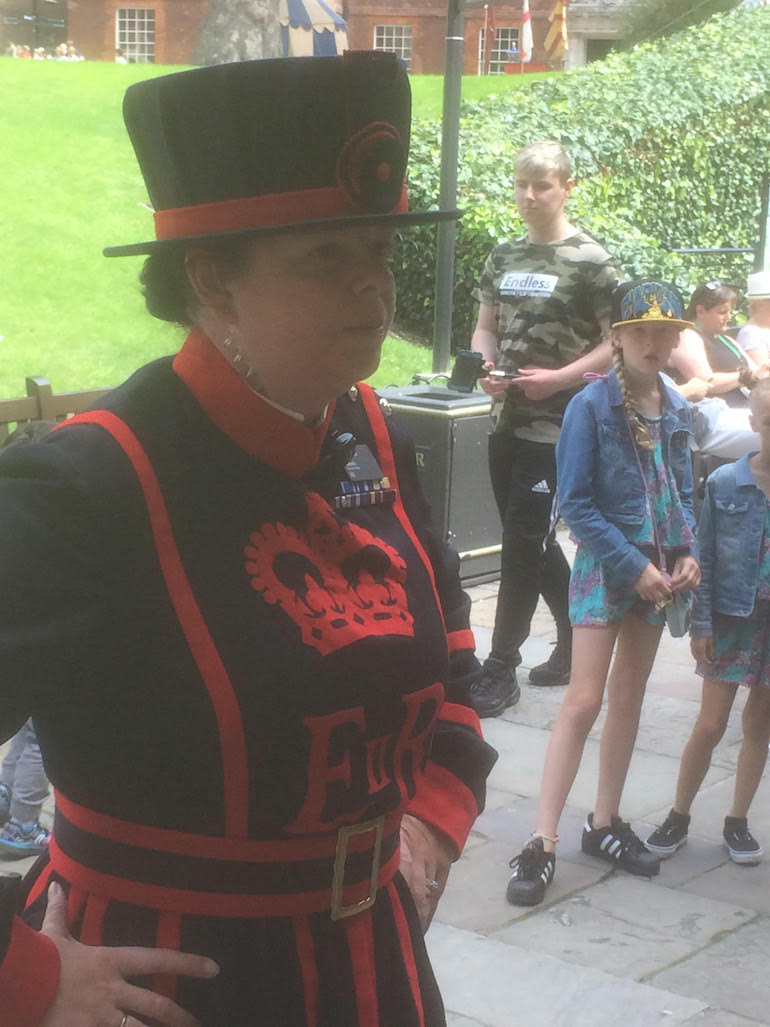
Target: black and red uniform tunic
<point>238,691</point>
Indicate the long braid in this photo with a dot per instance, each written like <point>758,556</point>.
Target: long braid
<point>639,428</point>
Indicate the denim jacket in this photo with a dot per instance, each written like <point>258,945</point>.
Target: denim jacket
<point>729,542</point>
<point>601,491</point>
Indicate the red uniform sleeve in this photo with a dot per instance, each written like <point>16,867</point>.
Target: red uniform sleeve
<point>29,976</point>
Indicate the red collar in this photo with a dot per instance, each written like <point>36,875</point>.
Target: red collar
<point>272,437</point>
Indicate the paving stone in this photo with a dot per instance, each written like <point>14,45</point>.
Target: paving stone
<point>455,1020</point>
<point>625,926</point>
<point>475,894</point>
<point>720,1018</point>
<point>746,886</point>
<point>503,986</point>
<point>538,707</point>
<point>730,974</point>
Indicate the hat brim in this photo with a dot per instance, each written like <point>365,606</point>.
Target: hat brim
<point>654,321</point>
<point>405,220</point>
<point>758,295</point>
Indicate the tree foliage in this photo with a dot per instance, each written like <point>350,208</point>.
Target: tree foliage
<point>238,30</point>
<point>669,143</point>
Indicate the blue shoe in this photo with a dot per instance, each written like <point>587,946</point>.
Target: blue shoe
<point>16,842</point>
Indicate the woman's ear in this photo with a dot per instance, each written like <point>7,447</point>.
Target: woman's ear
<point>207,282</point>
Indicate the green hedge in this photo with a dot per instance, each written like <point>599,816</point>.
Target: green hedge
<point>669,142</point>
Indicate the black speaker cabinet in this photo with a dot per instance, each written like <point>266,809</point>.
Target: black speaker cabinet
<point>450,435</point>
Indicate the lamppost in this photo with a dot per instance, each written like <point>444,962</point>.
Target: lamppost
<point>450,132</point>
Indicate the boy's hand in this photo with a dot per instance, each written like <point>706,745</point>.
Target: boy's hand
<point>652,586</point>
<point>493,387</point>
<point>703,649</point>
<point>686,575</point>
<point>539,382</point>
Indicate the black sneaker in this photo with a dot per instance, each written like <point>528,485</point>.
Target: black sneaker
<point>533,871</point>
<point>617,844</point>
<point>496,689</point>
<point>741,843</point>
<point>670,836</point>
<point>555,670</point>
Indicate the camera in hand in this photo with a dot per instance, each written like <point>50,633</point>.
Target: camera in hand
<point>469,367</point>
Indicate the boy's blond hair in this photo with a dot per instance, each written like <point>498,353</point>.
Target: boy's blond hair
<point>543,157</point>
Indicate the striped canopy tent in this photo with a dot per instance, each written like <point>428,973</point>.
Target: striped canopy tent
<point>310,28</point>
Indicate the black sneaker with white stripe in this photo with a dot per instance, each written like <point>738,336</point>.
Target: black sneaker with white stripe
<point>533,871</point>
<point>741,843</point>
<point>617,844</point>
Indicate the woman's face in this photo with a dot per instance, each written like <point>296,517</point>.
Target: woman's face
<point>647,347</point>
<point>312,309</point>
<point>713,320</point>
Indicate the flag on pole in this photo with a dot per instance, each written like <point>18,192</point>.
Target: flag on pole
<point>556,43</point>
<point>525,43</point>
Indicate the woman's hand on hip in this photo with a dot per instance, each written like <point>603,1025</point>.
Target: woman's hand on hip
<point>686,575</point>
<point>652,585</point>
<point>94,990</point>
<point>703,649</point>
<point>426,857</point>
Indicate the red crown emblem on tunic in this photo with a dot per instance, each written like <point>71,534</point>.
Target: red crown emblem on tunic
<point>337,581</point>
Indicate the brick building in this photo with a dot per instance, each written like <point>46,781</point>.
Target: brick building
<point>164,31</point>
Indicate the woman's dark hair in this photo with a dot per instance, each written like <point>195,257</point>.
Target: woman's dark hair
<point>165,286</point>
<point>708,295</point>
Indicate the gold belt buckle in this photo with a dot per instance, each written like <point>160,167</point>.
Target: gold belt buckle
<point>338,911</point>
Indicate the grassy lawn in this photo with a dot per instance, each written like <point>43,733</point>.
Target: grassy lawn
<point>428,90</point>
<point>71,186</point>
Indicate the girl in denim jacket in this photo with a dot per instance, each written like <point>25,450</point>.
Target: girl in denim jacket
<point>625,484</point>
<point>731,639</point>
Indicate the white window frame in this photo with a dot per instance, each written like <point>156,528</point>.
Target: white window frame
<point>506,37</point>
<point>135,34</point>
<point>395,39</point>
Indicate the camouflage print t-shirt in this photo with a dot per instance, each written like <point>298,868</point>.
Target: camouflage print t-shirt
<point>548,300</point>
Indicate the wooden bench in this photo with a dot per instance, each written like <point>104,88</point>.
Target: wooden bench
<point>43,404</point>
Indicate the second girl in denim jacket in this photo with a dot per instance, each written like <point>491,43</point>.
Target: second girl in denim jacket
<point>625,481</point>
<point>731,639</point>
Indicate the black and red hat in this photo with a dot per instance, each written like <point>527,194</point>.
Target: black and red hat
<point>274,145</point>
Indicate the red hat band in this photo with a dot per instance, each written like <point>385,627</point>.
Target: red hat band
<point>304,206</point>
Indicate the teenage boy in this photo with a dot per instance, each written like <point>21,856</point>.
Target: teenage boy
<point>544,309</point>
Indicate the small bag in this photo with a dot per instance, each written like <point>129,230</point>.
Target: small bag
<point>678,614</point>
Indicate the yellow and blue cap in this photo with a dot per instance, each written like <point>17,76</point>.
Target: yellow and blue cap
<point>647,302</point>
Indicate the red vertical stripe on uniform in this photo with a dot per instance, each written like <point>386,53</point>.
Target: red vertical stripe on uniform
<point>40,885</point>
<point>388,464</point>
<point>168,936</point>
<point>361,946</point>
<point>407,951</point>
<point>308,967</point>
<point>220,689</point>
<point>93,920</point>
